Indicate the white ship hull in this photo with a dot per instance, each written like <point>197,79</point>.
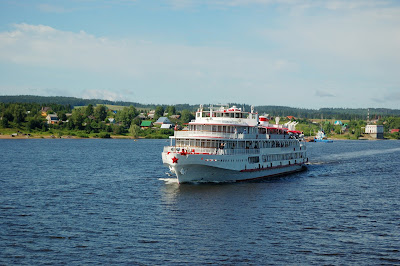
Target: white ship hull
<point>201,173</point>
<point>206,168</point>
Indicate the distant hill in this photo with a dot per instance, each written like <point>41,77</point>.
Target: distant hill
<point>63,100</point>
<point>326,113</point>
<point>329,113</point>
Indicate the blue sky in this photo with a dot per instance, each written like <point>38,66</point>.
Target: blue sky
<point>297,53</point>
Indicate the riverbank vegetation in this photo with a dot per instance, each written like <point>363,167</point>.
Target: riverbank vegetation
<point>282,111</point>
<point>39,120</point>
<point>119,121</point>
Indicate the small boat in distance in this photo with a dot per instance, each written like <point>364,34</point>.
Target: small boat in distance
<point>227,144</point>
<point>321,137</point>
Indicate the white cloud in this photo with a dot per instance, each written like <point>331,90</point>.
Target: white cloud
<point>40,45</point>
<point>158,70</point>
<point>102,94</point>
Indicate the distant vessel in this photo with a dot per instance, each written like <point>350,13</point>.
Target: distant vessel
<point>321,137</point>
<point>229,144</point>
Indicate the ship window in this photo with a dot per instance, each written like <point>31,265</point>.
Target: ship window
<point>254,159</point>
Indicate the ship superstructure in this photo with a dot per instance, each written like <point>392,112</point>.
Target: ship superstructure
<point>228,144</point>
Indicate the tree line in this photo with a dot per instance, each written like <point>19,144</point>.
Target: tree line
<point>101,120</point>
<point>85,121</point>
<point>283,111</point>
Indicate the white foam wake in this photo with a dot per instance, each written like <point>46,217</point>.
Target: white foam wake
<point>357,154</point>
<point>169,180</point>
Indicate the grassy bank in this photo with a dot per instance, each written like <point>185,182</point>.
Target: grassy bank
<point>18,133</point>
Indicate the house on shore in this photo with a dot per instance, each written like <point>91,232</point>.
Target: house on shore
<point>163,120</point>
<point>174,116</point>
<point>374,131</point>
<point>52,119</point>
<point>167,126</point>
<point>146,124</point>
<point>44,111</point>
<point>141,116</point>
<point>151,114</point>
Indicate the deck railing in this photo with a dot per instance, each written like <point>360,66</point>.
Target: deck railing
<point>198,150</point>
<point>223,135</point>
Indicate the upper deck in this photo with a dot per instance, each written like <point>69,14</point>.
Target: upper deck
<point>233,116</point>
<point>232,123</point>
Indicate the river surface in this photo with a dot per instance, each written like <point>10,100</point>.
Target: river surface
<point>98,201</point>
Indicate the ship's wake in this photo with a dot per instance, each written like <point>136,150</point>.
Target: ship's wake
<point>336,158</point>
<point>169,180</point>
<point>357,154</point>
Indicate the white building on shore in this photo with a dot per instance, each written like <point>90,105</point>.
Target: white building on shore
<point>375,131</point>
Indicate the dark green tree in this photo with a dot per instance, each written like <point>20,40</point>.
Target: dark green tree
<point>62,116</point>
<point>171,110</point>
<point>70,124</point>
<point>327,127</point>
<point>117,130</point>
<point>34,123</point>
<point>186,116</point>
<point>159,112</point>
<point>100,112</point>
<point>89,110</point>
<point>4,122</point>
<point>134,130</point>
<point>8,115</point>
<point>338,129</point>
<point>77,119</point>
<point>357,133</point>
<point>126,115</point>
<point>136,121</point>
<point>19,113</point>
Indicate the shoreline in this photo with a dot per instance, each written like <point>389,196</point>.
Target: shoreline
<point>19,137</point>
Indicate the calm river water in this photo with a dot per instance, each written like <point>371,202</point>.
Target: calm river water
<point>109,201</point>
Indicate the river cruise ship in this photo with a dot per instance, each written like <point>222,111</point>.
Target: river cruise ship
<point>227,144</point>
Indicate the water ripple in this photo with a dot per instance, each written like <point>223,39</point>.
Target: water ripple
<point>110,202</point>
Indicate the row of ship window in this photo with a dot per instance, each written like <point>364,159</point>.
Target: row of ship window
<point>236,129</point>
<point>280,157</point>
<point>268,158</point>
<point>236,144</point>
